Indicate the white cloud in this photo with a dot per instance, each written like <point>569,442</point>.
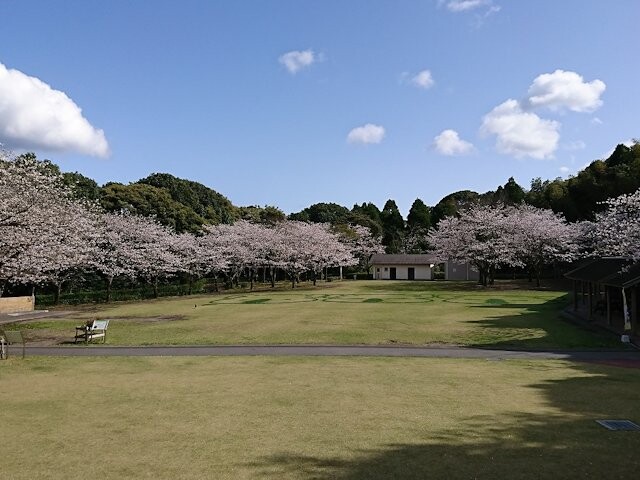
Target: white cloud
<point>562,89</point>
<point>368,133</point>
<point>466,5</point>
<point>519,133</point>
<point>34,116</point>
<point>564,170</point>
<point>596,121</point>
<point>296,60</point>
<point>576,145</point>
<point>423,79</point>
<point>450,143</point>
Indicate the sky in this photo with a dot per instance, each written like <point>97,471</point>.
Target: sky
<point>295,102</point>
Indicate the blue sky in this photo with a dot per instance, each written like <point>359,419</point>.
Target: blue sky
<point>290,103</point>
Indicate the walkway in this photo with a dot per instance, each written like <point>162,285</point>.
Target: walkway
<point>330,350</point>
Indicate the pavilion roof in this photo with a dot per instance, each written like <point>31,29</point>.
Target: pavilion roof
<point>617,272</point>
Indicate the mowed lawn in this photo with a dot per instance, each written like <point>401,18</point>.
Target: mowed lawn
<point>363,312</point>
<point>314,418</point>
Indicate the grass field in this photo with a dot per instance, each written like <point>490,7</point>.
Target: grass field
<point>363,312</point>
<point>314,418</point>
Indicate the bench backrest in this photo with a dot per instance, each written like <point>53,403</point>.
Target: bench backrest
<point>100,325</point>
<point>13,336</point>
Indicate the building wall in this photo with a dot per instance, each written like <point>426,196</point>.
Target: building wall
<point>383,272</point>
<point>16,304</point>
<point>459,271</point>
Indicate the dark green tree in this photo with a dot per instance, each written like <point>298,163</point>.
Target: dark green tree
<point>323,213</point>
<point>392,227</point>
<point>141,199</point>
<point>418,224</point>
<point>452,203</point>
<point>511,193</point>
<point>419,216</point>
<point>204,201</point>
<point>83,187</point>
<point>267,214</point>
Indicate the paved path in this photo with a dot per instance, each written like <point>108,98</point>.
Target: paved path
<point>328,350</point>
<point>35,315</point>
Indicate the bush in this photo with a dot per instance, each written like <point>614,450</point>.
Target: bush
<point>119,295</point>
<point>361,276</point>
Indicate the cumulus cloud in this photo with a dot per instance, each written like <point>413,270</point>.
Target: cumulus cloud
<point>565,170</point>
<point>423,79</point>
<point>296,60</point>
<point>368,133</point>
<point>565,90</point>
<point>520,133</point>
<point>450,143</point>
<point>34,116</point>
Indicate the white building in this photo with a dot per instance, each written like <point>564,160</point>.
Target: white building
<point>417,267</point>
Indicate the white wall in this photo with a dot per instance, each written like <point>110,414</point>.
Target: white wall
<point>459,271</point>
<point>422,272</point>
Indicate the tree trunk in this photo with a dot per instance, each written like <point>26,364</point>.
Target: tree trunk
<point>109,281</point>
<point>56,295</point>
<point>273,271</point>
<point>155,288</point>
<point>190,284</point>
<point>314,276</point>
<point>215,283</point>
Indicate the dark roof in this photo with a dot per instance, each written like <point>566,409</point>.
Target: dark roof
<point>403,259</point>
<point>611,271</point>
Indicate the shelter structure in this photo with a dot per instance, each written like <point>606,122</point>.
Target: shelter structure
<point>608,289</point>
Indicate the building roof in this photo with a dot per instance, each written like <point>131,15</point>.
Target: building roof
<point>403,259</point>
<point>617,272</point>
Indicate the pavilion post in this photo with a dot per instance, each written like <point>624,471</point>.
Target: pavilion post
<point>607,296</point>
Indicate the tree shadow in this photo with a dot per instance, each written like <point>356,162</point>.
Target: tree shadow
<point>459,286</point>
<point>537,326</point>
<point>567,443</point>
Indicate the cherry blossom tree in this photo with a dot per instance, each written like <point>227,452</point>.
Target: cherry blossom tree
<point>115,253</point>
<point>617,230</point>
<point>362,244</point>
<point>38,218</point>
<point>309,247</point>
<point>135,246</point>
<point>65,251</point>
<point>541,237</point>
<point>156,251</point>
<point>482,236</point>
<point>193,256</point>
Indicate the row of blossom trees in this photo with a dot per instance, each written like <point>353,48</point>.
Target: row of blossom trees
<point>48,237</point>
<point>525,236</point>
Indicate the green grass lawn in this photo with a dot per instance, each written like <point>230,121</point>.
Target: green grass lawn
<point>314,418</point>
<point>363,312</point>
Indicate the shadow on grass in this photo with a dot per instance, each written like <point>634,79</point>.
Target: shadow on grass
<point>538,326</point>
<point>566,444</point>
<point>462,286</point>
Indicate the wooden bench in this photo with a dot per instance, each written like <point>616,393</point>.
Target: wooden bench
<point>95,329</point>
<point>10,337</point>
